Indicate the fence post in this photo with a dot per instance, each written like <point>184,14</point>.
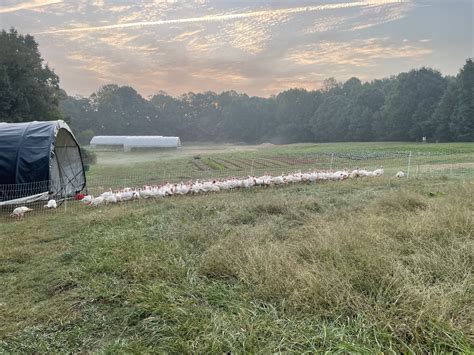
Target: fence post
<point>251,168</point>
<point>409,165</point>
<point>332,159</point>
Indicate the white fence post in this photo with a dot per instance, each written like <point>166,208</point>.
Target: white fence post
<point>409,165</point>
<point>332,159</point>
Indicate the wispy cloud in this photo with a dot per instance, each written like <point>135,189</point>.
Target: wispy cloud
<point>28,5</point>
<point>375,16</point>
<point>359,53</point>
<point>225,17</point>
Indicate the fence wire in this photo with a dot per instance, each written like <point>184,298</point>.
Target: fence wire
<point>413,165</point>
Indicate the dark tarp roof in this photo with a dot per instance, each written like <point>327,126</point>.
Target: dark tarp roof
<point>39,157</point>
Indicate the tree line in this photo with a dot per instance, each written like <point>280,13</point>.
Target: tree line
<point>405,107</point>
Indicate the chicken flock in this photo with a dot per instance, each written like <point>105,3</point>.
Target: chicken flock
<point>208,186</point>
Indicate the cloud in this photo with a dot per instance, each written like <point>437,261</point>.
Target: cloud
<point>375,16</point>
<point>326,24</point>
<point>309,81</point>
<point>28,5</point>
<point>225,17</point>
<point>187,35</point>
<point>357,53</point>
<point>251,46</point>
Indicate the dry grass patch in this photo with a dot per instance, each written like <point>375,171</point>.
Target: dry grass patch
<point>404,263</point>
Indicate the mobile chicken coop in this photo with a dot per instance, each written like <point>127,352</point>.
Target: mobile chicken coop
<point>39,160</point>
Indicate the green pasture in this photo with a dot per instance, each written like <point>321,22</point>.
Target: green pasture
<point>367,265</point>
<point>118,169</point>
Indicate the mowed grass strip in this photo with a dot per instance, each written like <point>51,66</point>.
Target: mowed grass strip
<point>357,266</point>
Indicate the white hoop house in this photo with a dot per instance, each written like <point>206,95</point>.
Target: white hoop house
<point>131,142</point>
<point>107,140</point>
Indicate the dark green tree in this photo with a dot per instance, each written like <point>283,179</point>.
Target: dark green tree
<point>444,113</point>
<point>120,110</point>
<point>294,112</point>
<point>410,105</point>
<point>404,107</point>
<point>81,116</point>
<point>29,90</point>
<point>462,124</point>
<point>330,121</point>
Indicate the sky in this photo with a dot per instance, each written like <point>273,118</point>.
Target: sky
<point>260,47</point>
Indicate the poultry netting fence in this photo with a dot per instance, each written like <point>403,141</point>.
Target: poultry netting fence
<point>413,165</point>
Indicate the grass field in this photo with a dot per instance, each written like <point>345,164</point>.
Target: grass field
<point>362,265</point>
<point>137,168</point>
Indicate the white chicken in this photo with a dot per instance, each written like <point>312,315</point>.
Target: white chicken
<point>339,175</point>
<point>97,201</point>
<point>182,189</point>
<point>110,199</point>
<point>206,186</point>
<point>312,177</point>
<point>400,174</point>
<point>215,187</point>
<point>278,180</point>
<point>145,193</point>
<point>87,199</point>
<point>354,174</point>
<point>196,188</point>
<point>126,195</point>
<point>118,196</point>
<point>19,212</point>
<point>107,193</point>
<point>378,172</point>
<point>291,178</point>
<point>51,204</point>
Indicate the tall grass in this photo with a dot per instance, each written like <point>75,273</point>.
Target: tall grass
<point>359,266</point>
<point>404,264</point>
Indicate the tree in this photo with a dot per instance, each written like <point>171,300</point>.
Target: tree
<point>29,90</point>
<point>404,107</point>
<point>173,116</point>
<point>294,111</point>
<point>411,103</point>
<point>120,110</point>
<point>81,116</point>
<point>444,113</point>
<point>462,124</point>
<point>330,120</point>
<point>352,87</point>
<point>330,84</point>
<point>365,101</point>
